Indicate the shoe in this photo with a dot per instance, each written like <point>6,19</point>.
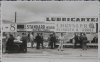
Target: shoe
<point>62,50</point>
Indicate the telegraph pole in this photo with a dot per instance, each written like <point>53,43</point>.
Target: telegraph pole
<point>15,17</point>
<point>15,22</point>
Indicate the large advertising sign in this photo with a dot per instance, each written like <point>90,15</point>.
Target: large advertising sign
<point>72,24</point>
<point>40,27</point>
<point>75,27</point>
<point>9,27</point>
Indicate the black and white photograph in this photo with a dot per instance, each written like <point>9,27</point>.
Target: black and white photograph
<point>49,0</point>
<point>0,33</point>
<point>50,31</point>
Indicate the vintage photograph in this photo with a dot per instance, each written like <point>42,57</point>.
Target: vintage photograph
<point>0,32</point>
<point>50,31</point>
<point>49,0</point>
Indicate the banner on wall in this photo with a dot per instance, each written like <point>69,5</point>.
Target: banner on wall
<point>40,27</point>
<point>74,24</point>
<point>9,27</point>
<point>76,27</point>
<point>63,27</point>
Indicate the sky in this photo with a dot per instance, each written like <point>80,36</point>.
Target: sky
<point>38,11</point>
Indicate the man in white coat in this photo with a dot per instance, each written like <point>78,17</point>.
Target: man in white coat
<point>31,39</point>
<point>61,38</point>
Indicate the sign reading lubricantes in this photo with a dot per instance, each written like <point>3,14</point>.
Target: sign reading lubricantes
<point>72,24</point>
<point>40,27</point>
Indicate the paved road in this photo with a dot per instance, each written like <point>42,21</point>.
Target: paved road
<point>49,60</point>
<point>48,55</point>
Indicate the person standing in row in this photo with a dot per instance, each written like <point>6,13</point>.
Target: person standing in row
<point>38,41</point>
<point>32,39</point>
<point>24,43</point>
<point>76,37</point>
<point>10,44</point>
<point>53,41</point>
<point>80,39</point>
<point>61,38</point>
<point>4,40</point>
<point>42,40</point>
<point>84,42</point>
<point>49,39</point>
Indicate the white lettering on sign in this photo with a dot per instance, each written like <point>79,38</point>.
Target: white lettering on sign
<point>40,27</point>
<point>35,26</point>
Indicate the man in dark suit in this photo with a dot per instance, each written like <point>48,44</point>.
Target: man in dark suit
<point>10,44</point>
<point>24,43</point>
<point>76,40</point>
<point>42,40</point>
<point>81,40</point>
<point>53,41</point>
<point>38,41</point>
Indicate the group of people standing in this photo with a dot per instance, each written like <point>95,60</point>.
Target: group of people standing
<point>82,40</point>
<point>39,41</point>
